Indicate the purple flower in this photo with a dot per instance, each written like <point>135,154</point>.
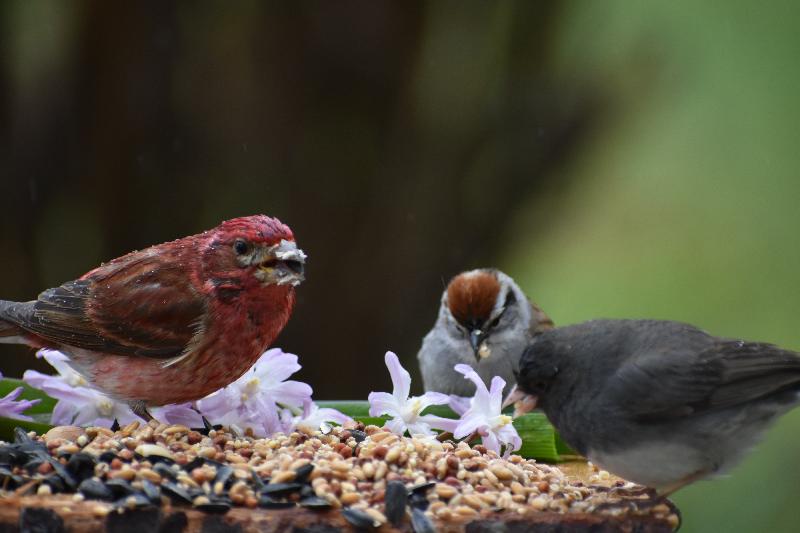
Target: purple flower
<point>406,412</point>
<point>78,403</point>
<point>182,413</point>
<point>484,415</point>
<point>315,417</point>
<point>10,407</point>
<point>257,399</point>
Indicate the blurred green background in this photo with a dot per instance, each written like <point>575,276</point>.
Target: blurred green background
<point>619,159</point>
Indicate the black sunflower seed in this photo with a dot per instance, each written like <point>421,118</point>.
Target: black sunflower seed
<point>175,493</point>
<point>302,473</point>
<point>359,518</point>
<point>418,501</point>
<point>420,522</point>
<point>164,471</point>
<point>396,499</point>
<point>258,483</point>
<point>65,475</point>
<point>56,484</point>
<point>134,501</point>
<point>280,488</point>
<point>315,502</point>
<point>21,436</point>
<point>422,488</point>
<point>115,426</point>
<point>358,435</point>
<point>306,491</point>
<point>159,459</point>
<point>214,507</point>
<point>266,502</point>
<point>120,488</point>
<point>8,479</point>
<point>197,462</point>
<point>207,427</point>
<point>94,489</point>
<point>23,443</point>
<point>223,475</point>
<point>32,465</point>
<point>81,465</point>
<point>107,457</point>
<point>11,455</point>
<point>152,491</point>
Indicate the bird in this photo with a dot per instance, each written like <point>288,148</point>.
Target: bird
<point>656,402</point>
<point>173,322</point>
<point>484,321</point>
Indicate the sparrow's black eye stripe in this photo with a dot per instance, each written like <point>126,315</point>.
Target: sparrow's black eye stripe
<point>511,299</point>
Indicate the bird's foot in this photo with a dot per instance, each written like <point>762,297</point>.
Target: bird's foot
<point>139,408</point>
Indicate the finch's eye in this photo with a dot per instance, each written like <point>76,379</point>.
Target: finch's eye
<point>240,247</point>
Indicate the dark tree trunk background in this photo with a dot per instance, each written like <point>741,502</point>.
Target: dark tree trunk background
<point>396,138</point>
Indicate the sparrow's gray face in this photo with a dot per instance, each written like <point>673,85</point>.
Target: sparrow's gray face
<point>479,306</point>
<point>478,331</point>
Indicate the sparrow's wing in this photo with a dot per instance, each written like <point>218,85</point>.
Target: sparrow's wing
<point>726,374</point>
<point>540,322</point>
<point>141,304</point>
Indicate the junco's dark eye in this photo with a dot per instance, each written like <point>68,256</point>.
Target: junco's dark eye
<point>240,247</point>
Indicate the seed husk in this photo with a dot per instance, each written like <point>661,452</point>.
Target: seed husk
<point>360,519</point>
<point>396,499</point>
<point>420,523</point>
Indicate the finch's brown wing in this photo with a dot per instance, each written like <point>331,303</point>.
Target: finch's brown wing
<point>726,374</point>
<point>140,304</point>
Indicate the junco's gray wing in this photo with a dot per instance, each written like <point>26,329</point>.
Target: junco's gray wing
<point>659,385</point>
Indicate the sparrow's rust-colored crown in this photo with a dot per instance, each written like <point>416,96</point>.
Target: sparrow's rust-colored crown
<point>471,296</point>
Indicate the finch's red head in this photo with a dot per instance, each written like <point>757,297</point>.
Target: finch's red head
<point>254,249</point>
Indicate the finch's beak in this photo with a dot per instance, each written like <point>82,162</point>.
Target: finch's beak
<point>284,265</point>
<point>522,401</point>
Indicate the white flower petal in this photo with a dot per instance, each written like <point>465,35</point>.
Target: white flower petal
<point>401,379</point>
<point>382,403</point>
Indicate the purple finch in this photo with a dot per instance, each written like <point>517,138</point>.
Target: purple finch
<point>174,322</point>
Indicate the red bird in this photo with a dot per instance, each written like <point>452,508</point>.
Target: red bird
<point>174,322</point>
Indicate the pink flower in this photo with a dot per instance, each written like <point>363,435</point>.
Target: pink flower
<point>314,417</point>
<point>484,415</point>
<point>257,399</point>
<point>406,412</point>
<point>10,407</point>
<point>78,403</point>
<point>181,413</point>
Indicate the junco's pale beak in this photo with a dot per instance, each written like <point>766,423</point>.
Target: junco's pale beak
<point>476,338</point>
<point>522,401</point>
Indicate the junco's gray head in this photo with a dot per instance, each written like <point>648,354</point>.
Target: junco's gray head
<point>656,402</point>
<point>485,321</point>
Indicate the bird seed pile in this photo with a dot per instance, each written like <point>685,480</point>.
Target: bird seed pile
<point>368,476</point>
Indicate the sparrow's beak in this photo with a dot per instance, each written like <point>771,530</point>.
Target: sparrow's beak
<point>522,401</point>
<point>476,338</point>
<point>284,264</point>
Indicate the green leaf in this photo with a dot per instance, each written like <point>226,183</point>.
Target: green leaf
<point>352,408</point>
<point>39,412</point>
<point>7,426</point>
<point>539,439</point>
<point>46,404</point>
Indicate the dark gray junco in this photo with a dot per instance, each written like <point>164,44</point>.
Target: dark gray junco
<point>485,321</point>
<point>659,403</point>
